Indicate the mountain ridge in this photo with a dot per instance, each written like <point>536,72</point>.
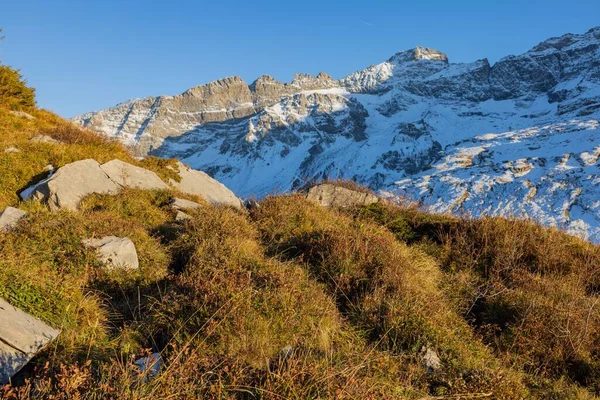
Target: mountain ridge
<point>391,122</point>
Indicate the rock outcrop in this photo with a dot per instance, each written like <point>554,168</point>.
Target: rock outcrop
<point>127,175</point>
<point>21,338</point>
<point>72,182</point>
<point>115,252</point>
<point>65,187</point>
<point>10,217</point>
<point>331,195</point>
<point>201,184</point>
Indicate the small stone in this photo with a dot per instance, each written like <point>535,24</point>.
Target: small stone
<point>12,150</point>
<point>281,357</point>
<point>183,204</point>
<point>149,367</point>
<point>44,139</point>
<point>430,359</point>
<point>252,204</point>
<point>181,216</point>
<point>115,252</point>
<point>22,114</point>
<point>10,217</point>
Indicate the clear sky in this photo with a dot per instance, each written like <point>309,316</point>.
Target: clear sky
<point>83,55</point>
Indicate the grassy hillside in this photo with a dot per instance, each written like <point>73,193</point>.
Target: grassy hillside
<point>289,300</point>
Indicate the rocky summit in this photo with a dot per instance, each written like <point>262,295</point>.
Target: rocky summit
<point>516,138</point>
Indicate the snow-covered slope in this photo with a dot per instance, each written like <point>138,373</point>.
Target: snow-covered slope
<point>519,137</point>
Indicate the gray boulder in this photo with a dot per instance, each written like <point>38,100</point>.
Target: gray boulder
<point>21,338</point>
<point>10,217</point>
<point>115,252</point>
<point>128,175</point>
<point>201,184</point>
<point>44,139</point>
<point>330,195</point>
<point>70,183</point>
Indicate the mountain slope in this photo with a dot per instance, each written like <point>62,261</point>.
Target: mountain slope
<point>515,138</point>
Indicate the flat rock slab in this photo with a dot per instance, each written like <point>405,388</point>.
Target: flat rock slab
<point>22,114</point>
<point>10,217</point>
<point>182,217</point>
<point>72,182</point>
<point>183,204</point>
<point>12,150</point>
<point>201,184</point>
<point>44,139</point>
<point>128,175</point>
<point>330,195</point>
<point>115,252</point>
<point>21,338</point>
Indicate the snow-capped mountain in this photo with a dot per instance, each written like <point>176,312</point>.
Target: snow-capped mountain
<point>517,138</point>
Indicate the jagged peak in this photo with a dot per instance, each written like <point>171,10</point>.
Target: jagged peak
<point>419,53</point>
<point>219,84</point>
<point>263,80</point>
<point>568,39</point>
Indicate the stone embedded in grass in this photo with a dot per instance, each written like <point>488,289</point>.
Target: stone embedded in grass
<point>182,217</point>
<point>183,204</point>
<point>148,367</point>
<point>430,359</point>
<point>330,195</point>
<point>128,175</point>
<point>72,182</point>
<point>201,184</point>
<point>22,114</point>
<point>10,217</point>
<point>252,204</point>
<point>44,139</point>
<point>12,149</point>
<point>115,252</point>
<point>21,338</point>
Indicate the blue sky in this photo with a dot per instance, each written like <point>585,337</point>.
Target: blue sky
<point>83,55</point>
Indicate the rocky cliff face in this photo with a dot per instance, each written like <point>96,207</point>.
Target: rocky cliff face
<point>519,137</point>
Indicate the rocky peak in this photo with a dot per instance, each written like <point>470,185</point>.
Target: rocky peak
<point>216,87</point>
<point>417,54</point>
<point>309,82</point>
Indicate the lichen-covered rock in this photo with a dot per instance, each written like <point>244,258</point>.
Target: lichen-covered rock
<point>115,252</point>
<point>21,338</point>
<point>128,175</point>
<point>201,184</point>
<point>70,183</point>
<point>10,217</point>
<point>330,195</point>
